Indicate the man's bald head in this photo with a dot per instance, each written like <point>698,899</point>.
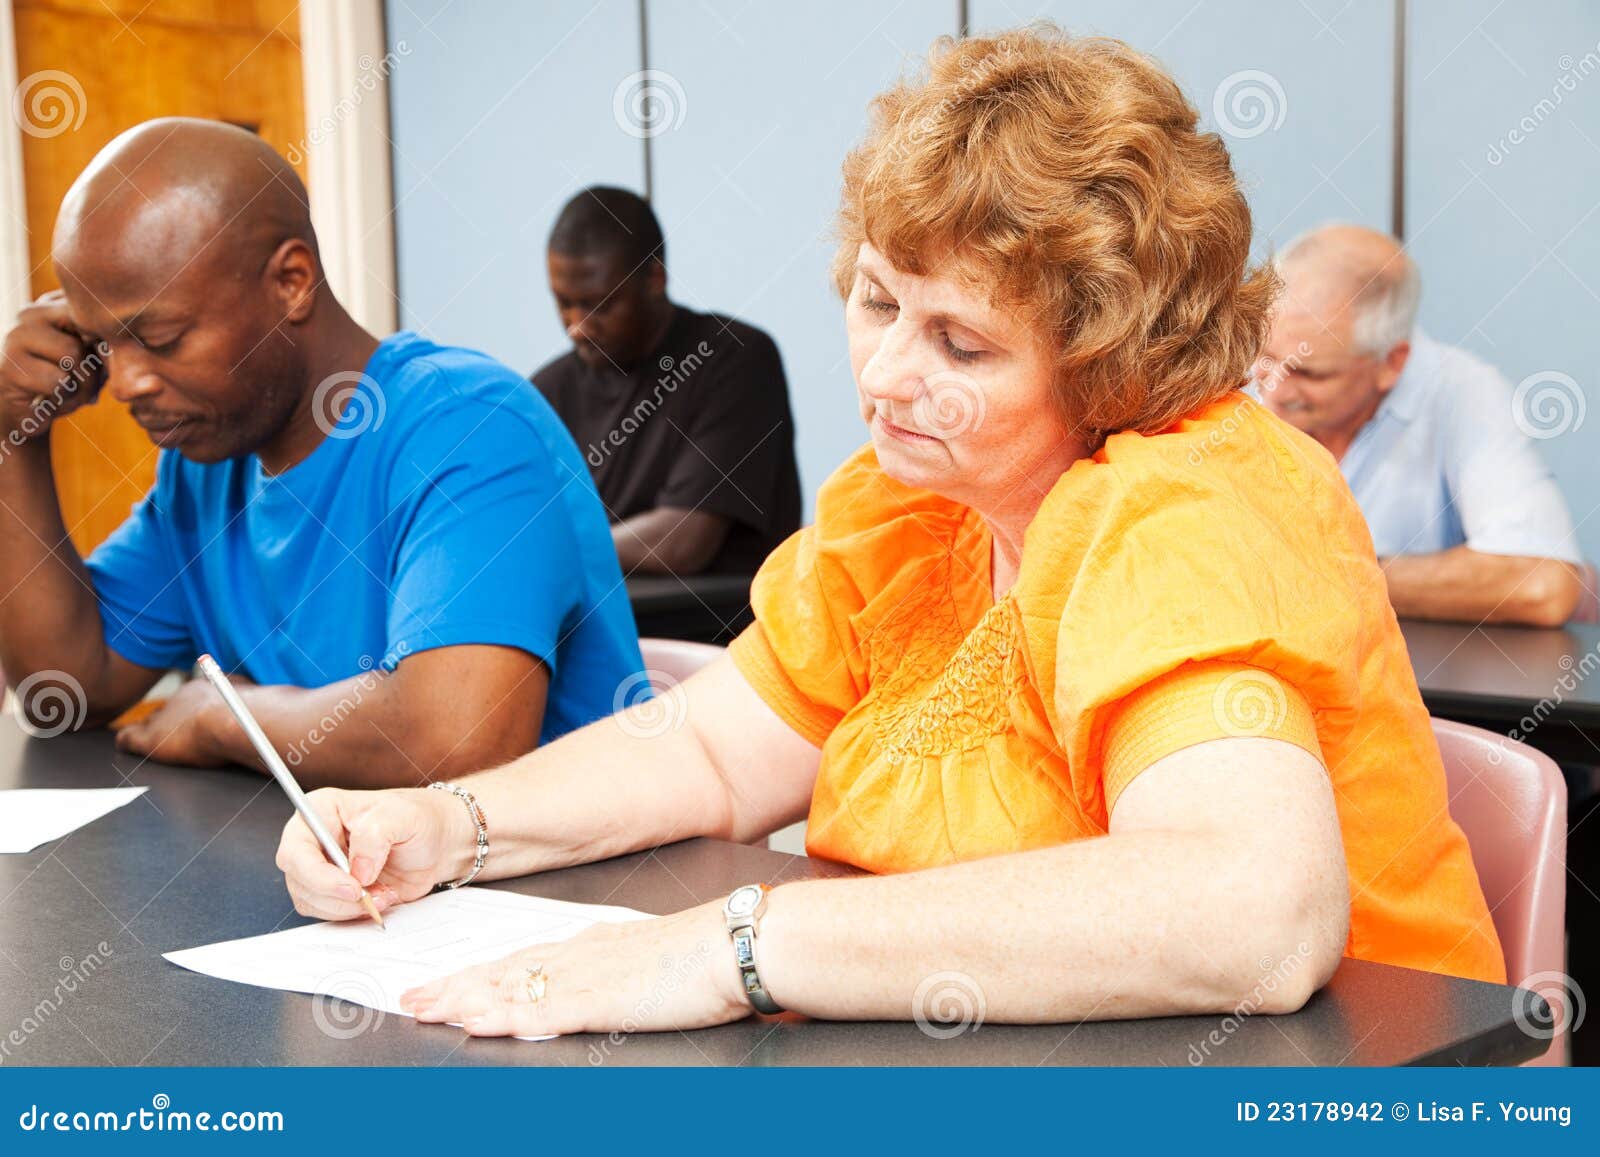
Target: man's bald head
<point>187,248</point>
<point>172,192</point>
<point>1338,270</point>
<point>1342,331</point>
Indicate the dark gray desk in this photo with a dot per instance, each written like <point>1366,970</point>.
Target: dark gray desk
<point>706,608</point>
<point>191,862</point>
<point>1494,676</point>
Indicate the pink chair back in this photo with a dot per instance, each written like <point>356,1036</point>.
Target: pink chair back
<point>671,661</point>
<point>1511,802</point>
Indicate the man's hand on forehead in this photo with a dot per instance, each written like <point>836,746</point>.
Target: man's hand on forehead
<point>48,368</point>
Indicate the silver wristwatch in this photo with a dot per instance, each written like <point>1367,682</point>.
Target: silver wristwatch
<point>743,911</point>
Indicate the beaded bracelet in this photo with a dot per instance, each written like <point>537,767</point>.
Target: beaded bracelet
<point>479,823</point>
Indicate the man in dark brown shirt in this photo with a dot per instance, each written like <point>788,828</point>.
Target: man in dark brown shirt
<point>682,416</point>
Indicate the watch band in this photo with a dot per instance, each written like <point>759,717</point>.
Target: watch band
<point>743,911</point>
<point>479,823</point>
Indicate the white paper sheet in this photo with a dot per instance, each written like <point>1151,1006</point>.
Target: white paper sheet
<point>359,962</point>
<point>31,816</point>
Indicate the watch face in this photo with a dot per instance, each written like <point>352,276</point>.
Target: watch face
<point>744,900</point>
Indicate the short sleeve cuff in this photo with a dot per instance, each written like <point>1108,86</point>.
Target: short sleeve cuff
<point>1196,703</point>
<point>413,639</point>
<point>753,655</point>
<point>1518,545</point>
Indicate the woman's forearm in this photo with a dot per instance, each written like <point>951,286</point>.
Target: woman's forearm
<point>1142,924</point>
<point>707,759</point>
<point>612,787</point>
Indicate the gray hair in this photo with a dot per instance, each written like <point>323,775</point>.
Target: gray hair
<point>1386,291</point>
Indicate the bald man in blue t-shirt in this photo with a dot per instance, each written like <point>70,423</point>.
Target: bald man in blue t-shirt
<point>395,547</point>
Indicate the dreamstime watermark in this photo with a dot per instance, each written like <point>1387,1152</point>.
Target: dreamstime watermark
<point>649,704</point>
<point>1563,1009</point>
<point>73,972</point>
<point>975,75</point>
<point>1249,703</point>
<point>648,103</point>
<point>75,374</point>
<point>1268,375</point>
<point>49,703</point>
<point>348,404</point>
<point>1574,672</point>
<point>674,372</point>
<point>1248,103</point>
<point>947,1004</point>
<point>949,405</point>
<point>1548,404</point>
<point>371,78</point>
<point>1572,72</point>
<point>672,974</point>
<point>371,675</point>
<point>1273,977</point>
<point>49,103</point>
<point>160,1117</point>
<point>345,1004</point>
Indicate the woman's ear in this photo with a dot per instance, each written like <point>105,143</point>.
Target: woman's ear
<point>295,276</point>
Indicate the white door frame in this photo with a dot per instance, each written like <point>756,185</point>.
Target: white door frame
<point>345,66</point>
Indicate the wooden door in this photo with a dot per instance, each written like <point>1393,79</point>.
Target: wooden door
<point>98,67</point>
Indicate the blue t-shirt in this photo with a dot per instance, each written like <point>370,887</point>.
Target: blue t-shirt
<point>448,506</point>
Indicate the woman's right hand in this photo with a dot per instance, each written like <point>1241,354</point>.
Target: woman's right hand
<point>401,842</point>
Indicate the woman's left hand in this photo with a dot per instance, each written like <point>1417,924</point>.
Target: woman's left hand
<point>644,975</point>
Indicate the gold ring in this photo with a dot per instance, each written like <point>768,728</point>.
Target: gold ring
<point>533,984</point>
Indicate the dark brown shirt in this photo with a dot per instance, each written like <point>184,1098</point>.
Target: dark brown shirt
<point>703,423</point>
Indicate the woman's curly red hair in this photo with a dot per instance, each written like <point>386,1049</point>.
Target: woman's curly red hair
<point>1067,176</point>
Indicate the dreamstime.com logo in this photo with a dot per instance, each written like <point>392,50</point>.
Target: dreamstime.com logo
<point>1548,404</point>
<point>649,704</point>
<point>364,684</point>
<point>674,372</point>
<point>348,404</point>
<point>49,103</point>
<point>672,974</point>
<point>1249,703</point>
<point>74,972</point>
<point>947,1004</point>
<point>949,405</point>
<point>160,1117</point>
<point>1248,103</point>
<point>344,1004</point>
<point>1573,673</point>
<point>1273,976</point>
<point>370,78</point>
<point>1563,1009</point>
<point>49,703</point>
<point>649,103</point>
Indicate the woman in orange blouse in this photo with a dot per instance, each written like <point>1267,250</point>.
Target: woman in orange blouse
<point>1087,656</point>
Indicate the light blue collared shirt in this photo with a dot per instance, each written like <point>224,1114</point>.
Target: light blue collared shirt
<point>1443,463</point>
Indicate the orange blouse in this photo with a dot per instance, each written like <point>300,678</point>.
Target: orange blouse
<point>1215,579</point>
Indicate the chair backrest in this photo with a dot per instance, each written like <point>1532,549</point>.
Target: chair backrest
<point>1511,801</point>
<point>671,661</point>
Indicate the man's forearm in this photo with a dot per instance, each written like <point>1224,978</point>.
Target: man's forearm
<point>1465,585</point>
<point>1138,924</point>
<point>49,619</point>
<point>368,731</point>
<point>669,540</point>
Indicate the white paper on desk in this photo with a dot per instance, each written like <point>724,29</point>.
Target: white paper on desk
<point>31,816</point>
<point>432,937</point>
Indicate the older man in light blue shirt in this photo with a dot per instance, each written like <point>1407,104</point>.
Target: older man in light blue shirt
<point>1464,514</point>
